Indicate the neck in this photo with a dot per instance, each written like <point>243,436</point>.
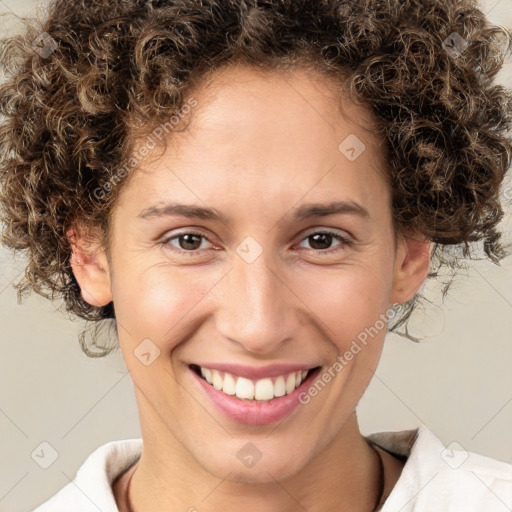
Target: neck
<point>345,475</point>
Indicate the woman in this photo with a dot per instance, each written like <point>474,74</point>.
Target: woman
<point>175,166</point>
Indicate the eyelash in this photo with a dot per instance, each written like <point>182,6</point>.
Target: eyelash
<point>344,242</point>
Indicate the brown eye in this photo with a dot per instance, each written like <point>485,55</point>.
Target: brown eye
<point>187,242</point>
<point>322,241</point>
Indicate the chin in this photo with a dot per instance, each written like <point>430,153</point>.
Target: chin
<point>262,472</point>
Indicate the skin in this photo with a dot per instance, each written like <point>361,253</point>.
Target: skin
<point>258,146</point>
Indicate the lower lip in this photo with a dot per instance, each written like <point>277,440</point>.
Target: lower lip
<point>255,412</point>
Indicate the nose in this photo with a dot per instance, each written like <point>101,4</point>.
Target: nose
<point>256,306</point>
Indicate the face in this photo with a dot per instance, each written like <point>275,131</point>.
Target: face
<point>263,284</point>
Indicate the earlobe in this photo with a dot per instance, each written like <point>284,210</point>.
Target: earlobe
<point>90,267</point>
<point>412,265</point>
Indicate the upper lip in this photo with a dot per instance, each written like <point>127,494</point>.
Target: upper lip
<point>256,373</point>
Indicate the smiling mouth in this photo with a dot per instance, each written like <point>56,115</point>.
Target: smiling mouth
<point>253,390</point>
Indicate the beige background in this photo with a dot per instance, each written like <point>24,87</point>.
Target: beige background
<point>458,381</point>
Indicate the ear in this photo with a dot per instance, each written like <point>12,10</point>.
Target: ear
<point>90,267</point>
<point>412,264</point>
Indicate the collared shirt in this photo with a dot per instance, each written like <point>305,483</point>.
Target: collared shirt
<point>435,478</point>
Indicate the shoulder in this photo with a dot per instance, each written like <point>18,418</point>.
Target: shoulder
<point>447,478</point>
<point>92,486</point>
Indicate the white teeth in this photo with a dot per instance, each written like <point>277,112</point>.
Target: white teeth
<point>279,387</point>
<point>207,374</point>
<point>264,389</point>
<point>246,389</point>
<point>229,386</point>
<point>217,379</point>
<point>290,383</point>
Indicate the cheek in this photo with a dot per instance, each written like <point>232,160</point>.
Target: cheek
<point>154,302</point>
<point>347,301</point>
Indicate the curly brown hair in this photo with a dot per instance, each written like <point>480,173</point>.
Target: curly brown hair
<point>117,69</point>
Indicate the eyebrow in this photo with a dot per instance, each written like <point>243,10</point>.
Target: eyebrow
<point>303,212</point>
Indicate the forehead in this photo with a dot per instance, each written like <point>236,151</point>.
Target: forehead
<point>296,102</point>
<point>256,131</point>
